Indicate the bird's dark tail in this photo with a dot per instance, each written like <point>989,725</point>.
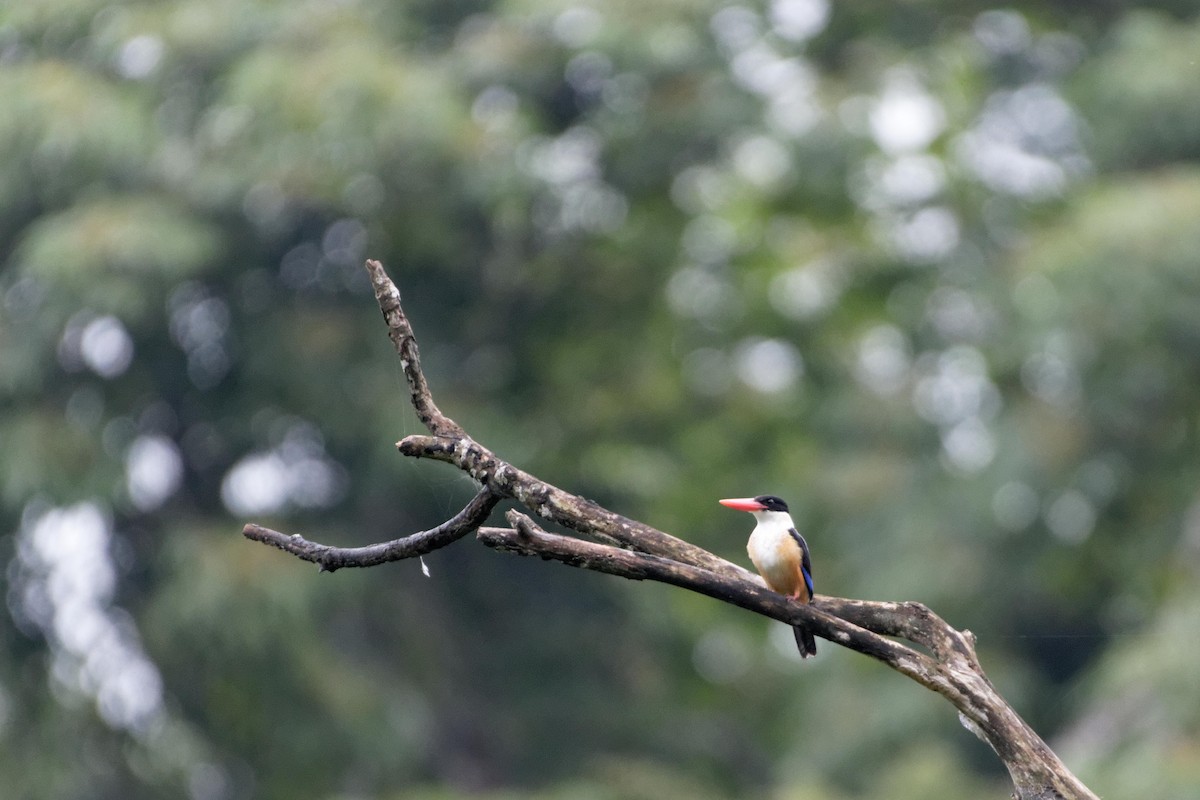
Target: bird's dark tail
<point>805,641</point>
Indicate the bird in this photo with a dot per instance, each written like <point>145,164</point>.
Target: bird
<point>780,555</point>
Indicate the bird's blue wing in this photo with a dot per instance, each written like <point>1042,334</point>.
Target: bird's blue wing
<point>805,560</point>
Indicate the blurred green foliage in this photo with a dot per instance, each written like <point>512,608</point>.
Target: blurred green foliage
<point>928,271</point>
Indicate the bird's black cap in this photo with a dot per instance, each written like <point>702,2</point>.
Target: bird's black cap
<point>771,502</point>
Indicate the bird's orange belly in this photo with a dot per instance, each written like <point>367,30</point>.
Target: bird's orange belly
<point>777,559</point>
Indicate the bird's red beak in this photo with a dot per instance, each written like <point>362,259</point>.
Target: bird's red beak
<point>743,504</point>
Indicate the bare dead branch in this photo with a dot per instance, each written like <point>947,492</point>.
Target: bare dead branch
<point>952,672</point>
<point>401,334</point>
<point>525,537</point>
<point>946,663</point>
<point>417,544</point>
<point>563,508</point>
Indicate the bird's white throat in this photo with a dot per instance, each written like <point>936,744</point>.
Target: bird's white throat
<point>781,520</point>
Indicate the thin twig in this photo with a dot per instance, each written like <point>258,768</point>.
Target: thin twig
<point>332,558</point>
<point>401,334</point>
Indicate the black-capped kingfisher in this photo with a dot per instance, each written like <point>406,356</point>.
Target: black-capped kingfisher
<point>780,555</point>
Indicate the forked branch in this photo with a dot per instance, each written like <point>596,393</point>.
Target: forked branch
<point>942,658</point>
